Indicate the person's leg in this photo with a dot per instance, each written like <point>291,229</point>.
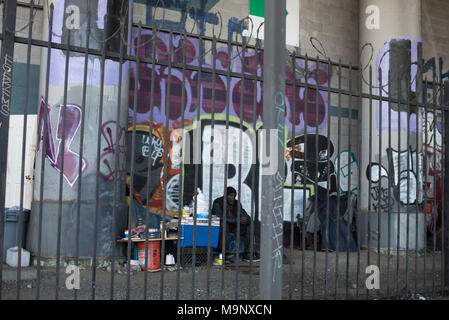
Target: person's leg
<point>221,245</point>
<point>246,236</point>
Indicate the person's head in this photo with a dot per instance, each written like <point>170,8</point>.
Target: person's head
<point>231,194</point>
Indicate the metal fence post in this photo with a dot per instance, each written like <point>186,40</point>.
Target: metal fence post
<point>273,122</point>
<point>6,60</point>
<point>445,225</point>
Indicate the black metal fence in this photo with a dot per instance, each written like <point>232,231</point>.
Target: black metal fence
<point>153,123</point>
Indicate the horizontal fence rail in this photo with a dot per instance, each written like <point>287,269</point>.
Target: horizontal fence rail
<point>134,154</point>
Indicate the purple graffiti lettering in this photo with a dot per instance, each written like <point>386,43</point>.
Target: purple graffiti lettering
<point>50,143</point>
<point>65,132</point>
<point>71,159</point>
<point>186,96</point>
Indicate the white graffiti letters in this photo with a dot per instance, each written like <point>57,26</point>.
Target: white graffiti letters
<point>6,85</point>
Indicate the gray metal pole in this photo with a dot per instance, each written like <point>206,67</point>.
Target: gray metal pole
<point>6,60</point>
<point>445,179</point>
<point>274,124</point>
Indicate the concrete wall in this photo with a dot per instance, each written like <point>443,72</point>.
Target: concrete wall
<point>335,24</point>
<point>435,29</point>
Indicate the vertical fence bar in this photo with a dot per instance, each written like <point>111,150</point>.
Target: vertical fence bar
<point>292,202</point>
<point>418,106</point>
<point>434,189</point>
<point>337,244</point>
<point>44,146</point>
<point>167,134</point>
<point>211,166</point>
<point>24,135</point>
<point>426,189</point>
<point>445,210</point>
<point>7,55</point>
<point>444,185</point>
<point>225,203</point>
<point>349,191</point>
<point>61,177</point>
<point>198,127</point>
<point>315,235</point>
<point>150,151</point>
<point>370,164</point>
<point>359,182</point>
<point>239,174</point>
<point>418,136</point>
<point>97,185</point>
<point>253,173</point>
<point>390,182</point>
<point>81,150</point>
<point>181,173</point>
<point>131,222</point>
<point>380,166</point>
<point>408,184</point>
<point>326,240</point>
<point>117,172</point>
<point>398,231</point>
<point>304,177</point>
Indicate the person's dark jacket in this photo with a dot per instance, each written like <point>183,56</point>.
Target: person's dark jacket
<point>329,218</point>
<point>231,221</point>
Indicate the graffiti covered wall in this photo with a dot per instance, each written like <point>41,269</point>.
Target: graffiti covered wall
<point>242,108</point>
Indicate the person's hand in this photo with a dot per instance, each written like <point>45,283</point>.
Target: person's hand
<point>244,220</point>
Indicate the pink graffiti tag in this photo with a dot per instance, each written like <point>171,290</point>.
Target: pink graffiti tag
<point>113,145</point>
<point>72,123</point>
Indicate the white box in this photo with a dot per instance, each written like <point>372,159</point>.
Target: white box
<point>12,257</point>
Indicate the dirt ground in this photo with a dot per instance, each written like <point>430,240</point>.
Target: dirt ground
<point>304,277</point>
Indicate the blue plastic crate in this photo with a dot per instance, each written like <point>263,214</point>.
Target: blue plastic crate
<point>202,234</point>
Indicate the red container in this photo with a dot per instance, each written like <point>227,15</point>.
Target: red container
<point>154,254</point>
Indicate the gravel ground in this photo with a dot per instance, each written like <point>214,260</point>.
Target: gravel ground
<point>304,277</point>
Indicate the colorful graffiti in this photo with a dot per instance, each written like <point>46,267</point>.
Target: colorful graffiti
<point>150,154</point>
<point>316,112</point>
<point>433,162</point>
<point>314,161</point>
<point>73,117</point>
<point>240,150</point>
<point>113,146</point>
<point>154,190</point>
<point>53,143</point>
<point>199,94</point>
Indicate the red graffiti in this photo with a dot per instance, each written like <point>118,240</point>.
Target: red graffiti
<point>244,96</point>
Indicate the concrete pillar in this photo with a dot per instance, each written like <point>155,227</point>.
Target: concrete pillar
<point>393,30</point>
<point>105,18</point>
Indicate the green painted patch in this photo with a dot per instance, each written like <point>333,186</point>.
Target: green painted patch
<point>257,8</point>
<point>344,113</point>
<point>19,93</point>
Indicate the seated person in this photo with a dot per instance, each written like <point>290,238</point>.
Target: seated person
<point>232,205</point>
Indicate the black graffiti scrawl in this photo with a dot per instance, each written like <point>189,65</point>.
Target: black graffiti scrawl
<point>312,161</point>
<point>399,184</point>
<point>142,159</point>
